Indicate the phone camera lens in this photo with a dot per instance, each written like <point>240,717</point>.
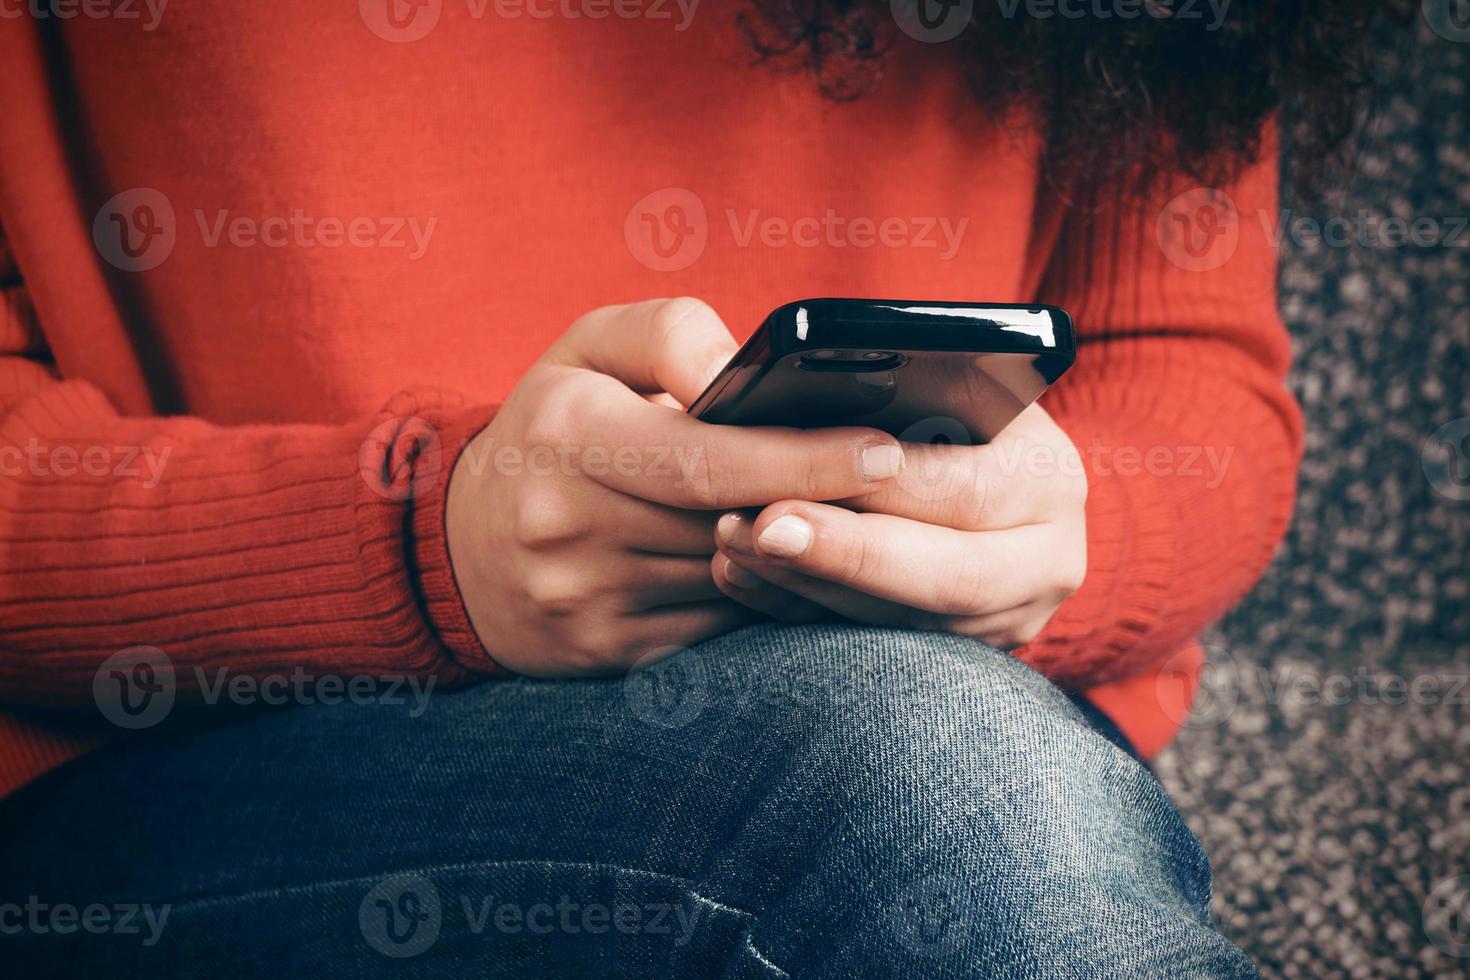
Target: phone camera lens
<point>857,362</point>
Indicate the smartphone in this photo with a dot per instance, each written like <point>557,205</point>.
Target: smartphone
<point>923,371</point>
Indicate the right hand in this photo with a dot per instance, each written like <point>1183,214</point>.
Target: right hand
<point>581,521</point>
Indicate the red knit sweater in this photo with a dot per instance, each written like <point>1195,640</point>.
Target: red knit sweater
<point>331,227</point>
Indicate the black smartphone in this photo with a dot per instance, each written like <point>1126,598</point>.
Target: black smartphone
<point>922,371</point>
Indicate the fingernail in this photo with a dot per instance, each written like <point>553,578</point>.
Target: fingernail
<point>787,537</point>
<point>728,528</point>
<point>882,462</point>
<point>741,578</point>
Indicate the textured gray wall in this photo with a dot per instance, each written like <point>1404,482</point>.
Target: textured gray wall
<point>1338,830</point>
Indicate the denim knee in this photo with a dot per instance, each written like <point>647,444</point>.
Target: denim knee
<point>887,698</point>
<point>944,730</point>
<point>958,796</point>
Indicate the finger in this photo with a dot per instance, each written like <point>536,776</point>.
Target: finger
<point>937,569</point>
<point>764,597</point>
<point>557,511</point>
<point>962,487</point>
<point>833,599</point>
<point>658,632</point>
<point>1020,478</point>
<point>666,581</point>
<point>1004,630</point>
<point>672,345</point>
<point>663,530</point>
<point>641,526</point>
<point>667,457</point>
<point>1008,629</point>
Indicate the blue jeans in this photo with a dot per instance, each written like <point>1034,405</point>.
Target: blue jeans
<point>805,802</point>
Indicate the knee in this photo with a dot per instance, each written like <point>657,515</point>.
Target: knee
<point>889,699</point>
<point>912,742</point>
<point>953,802</point>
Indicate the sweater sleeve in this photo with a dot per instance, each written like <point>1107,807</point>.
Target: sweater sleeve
<point>259,549</point>
<point>1178,407</point>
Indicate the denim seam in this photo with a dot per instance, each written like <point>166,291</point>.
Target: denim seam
<point>433,869</point>
<point>749,939</point>
<point>760,957</point>
<point>185,905</point>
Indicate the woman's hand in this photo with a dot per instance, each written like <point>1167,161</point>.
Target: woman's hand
<point>581,520</point>
<point>984,541</point>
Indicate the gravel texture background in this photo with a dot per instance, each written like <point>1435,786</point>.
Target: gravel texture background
<point>1339,826</point>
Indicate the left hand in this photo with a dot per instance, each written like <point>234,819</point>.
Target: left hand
<point>983,541</point>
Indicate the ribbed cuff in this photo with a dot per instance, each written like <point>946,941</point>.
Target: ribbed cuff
<point>428,543</point>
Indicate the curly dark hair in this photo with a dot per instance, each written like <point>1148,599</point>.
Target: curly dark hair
<point>1162,90</point>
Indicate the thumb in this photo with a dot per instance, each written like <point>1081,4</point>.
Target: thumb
<point>673,345</point>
